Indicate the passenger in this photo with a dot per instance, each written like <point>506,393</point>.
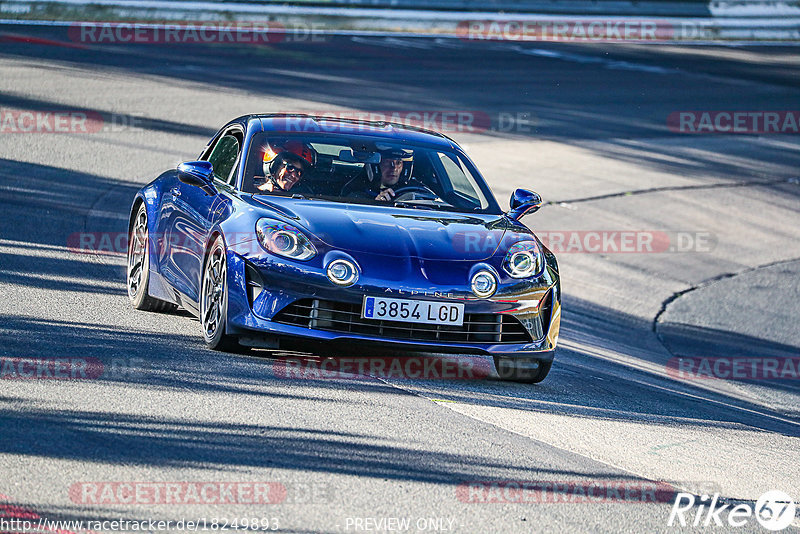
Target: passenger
<point>286,165</point>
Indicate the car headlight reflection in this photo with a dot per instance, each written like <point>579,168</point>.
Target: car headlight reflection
<point>284,240</point>
<point>342,272</point>
<point>484,284</point>
<point>524,259</point>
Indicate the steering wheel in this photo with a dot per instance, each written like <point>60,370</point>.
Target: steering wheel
<point>410,190</point>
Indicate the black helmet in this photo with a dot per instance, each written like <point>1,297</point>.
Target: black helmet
<point>374,170</point>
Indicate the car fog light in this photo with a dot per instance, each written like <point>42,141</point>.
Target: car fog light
<point>484,284</point>
<point>342,272</point>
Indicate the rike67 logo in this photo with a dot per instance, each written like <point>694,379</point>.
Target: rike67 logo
<point>774,510</point>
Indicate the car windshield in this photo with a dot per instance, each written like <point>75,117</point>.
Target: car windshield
<point>367,171</point>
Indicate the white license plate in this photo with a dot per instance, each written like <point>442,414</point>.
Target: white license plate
<point>413,311</point>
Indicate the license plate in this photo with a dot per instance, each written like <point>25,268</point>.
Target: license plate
<point>413,311</point>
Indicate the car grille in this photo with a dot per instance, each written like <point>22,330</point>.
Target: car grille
<point>346,317</point>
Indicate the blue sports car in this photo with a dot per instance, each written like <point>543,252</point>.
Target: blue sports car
<point>345,232</point>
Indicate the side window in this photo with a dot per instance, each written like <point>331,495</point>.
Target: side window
<point>461,179</point>
<point>223,157</point>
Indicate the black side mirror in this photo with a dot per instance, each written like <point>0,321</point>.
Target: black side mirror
<point>199,174</point>
<point>523,202</point>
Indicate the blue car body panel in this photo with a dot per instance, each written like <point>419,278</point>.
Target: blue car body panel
<point>401,252</point>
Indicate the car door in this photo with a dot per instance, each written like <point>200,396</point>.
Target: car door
<point>194,215</point>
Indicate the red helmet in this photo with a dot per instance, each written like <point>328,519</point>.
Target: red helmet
<point>293,149</point>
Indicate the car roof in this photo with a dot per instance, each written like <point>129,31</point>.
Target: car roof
<point>315,124</point>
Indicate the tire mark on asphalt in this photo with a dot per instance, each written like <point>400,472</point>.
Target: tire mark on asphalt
<point>705,283</point>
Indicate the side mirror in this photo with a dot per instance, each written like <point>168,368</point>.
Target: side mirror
<point>197,173</point>
<point>523,202</point>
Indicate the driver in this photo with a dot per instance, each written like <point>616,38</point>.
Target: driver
<point>391,176</point>
<point>285,165</point>
<point>391,166</point>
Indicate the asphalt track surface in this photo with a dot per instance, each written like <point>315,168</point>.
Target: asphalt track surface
<point>353,450</point>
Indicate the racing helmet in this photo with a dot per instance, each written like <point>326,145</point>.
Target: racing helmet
<point>276,153</point>
<point>374,169</point>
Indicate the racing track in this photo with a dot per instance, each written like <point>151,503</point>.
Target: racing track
<point>595,144</point>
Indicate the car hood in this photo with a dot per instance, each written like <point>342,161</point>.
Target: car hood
<point>400,232</point>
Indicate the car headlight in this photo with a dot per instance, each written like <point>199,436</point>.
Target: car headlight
<point>284,240</point>
<point>483,284</point>
<point>524,259</point>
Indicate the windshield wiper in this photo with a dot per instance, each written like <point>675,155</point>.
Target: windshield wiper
<point>426,204</point>
<point>414,204</point>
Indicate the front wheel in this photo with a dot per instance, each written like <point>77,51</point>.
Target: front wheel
<point>214,300</point>
<point>525,370</point>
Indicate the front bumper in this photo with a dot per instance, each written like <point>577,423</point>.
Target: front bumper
<point>261,288</point>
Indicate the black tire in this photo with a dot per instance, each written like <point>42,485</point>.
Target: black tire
<point>138,271</point>
<point>520,370</point>
<point>214,301</point>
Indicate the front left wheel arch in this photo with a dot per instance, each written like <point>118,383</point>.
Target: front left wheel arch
<point>137,279</point>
